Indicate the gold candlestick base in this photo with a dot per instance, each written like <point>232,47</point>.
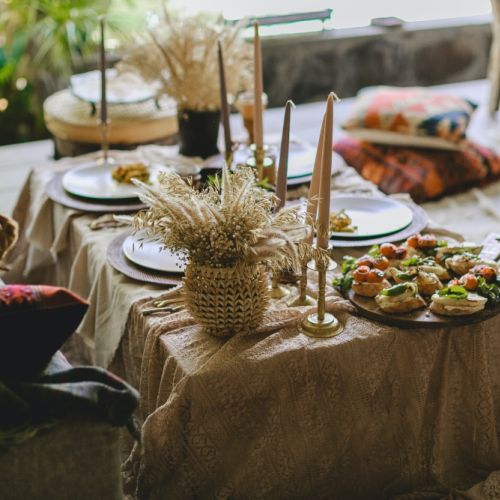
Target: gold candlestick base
<point>262,163</point>
<point>277,291</point>
<point>321,324</point>
<point>328,327</point>
<point>302,299</point>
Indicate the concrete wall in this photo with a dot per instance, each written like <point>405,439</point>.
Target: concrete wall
<point>306,67</point>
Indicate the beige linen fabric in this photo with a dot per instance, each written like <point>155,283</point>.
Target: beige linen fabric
<point>374,412</point>
<point>77,460</point>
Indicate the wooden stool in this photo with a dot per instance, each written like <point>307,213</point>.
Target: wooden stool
<point>73,124</point>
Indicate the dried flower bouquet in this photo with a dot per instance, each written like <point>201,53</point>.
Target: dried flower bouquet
<point>228,223</point>
<point>181,53</point>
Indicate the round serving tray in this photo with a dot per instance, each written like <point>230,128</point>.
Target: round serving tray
<point>57,193</point>
<point>118,261</point>
<point>421,318</point>
<point>418,223</point>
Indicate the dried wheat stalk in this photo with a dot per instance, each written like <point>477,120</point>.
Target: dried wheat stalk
<point>228,223</point>
<point>181,52</point>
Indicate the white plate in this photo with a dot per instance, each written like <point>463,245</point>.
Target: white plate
<point>151,255</point>
<point>91,180</point>
<point>371,215</point>
<point>121,88</point>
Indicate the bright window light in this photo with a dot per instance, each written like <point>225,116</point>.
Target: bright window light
<point>346,13</point>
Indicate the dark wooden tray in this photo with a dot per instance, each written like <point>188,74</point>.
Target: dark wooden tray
<point>421,318</point>
<point>57,193</point>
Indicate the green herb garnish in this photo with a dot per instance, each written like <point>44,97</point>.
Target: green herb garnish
<point>489,290</point>
<point>374,251</point>
<point>344,282</point>
<point>394,290</point>
<point>404,276</point>
<point>417,261</point>
<point>348,264</point>
<point>454,292</point>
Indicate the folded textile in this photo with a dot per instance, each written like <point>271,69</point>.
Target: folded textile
<point>35,321</point>
<point>425,174</point>
<point>59,392</point>
<point>414,115</point>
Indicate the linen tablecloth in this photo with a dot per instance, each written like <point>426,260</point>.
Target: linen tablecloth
<point>373,412</point>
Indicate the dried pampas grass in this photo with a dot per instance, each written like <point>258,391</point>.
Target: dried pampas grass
<point>228,223</point>
<point>181,52</point>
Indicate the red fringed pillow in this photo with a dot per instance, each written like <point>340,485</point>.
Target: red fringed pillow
<point>425,174</point>
<point>35,321</point>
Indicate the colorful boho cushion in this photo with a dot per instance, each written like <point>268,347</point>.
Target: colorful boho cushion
<point>409,115</point>
<point>423,173</point>
<point>35,321</point>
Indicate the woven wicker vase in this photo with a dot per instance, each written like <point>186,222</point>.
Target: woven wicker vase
<point>226,301</point>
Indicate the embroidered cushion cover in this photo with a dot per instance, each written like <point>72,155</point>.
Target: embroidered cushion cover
<point>409,116</point>
<point>423,173</point>
<point>35,321</point>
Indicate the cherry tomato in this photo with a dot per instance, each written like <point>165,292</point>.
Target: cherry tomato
<point>388,250</point>
<point>400,253</point>
<point>375,276</point>
<point>487,272</point>
<point>361,273</point>
<point>366,260</point>
<point>381,263</point>
<point>412,241</point>
<point>469,281</point>
<point>427,241</point>
<point>454,282</point>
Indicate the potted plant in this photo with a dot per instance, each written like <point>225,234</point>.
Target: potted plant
<point>230,236</point>
<point>181,53</point>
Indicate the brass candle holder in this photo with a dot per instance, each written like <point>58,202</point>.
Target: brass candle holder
<point>263,163</point>
<point>104,130</point>
<point>228,157</point>
<point>321,324</point>
<point>302,299</point>
<point>277,291</point>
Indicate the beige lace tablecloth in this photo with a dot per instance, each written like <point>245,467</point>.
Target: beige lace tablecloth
<point>372,413</point>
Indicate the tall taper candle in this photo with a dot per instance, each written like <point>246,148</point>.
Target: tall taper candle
<point>281,183</point>
<point>312,199</point>
<point>102,67</point>
<point>258,131</point>
<point>224,107</point>
<point>325,180</point>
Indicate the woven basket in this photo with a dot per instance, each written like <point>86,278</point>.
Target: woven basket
<point>226,301</point>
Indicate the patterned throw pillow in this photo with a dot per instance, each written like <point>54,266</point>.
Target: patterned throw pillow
<point>35,321</point>
<point>423,173</point>
<point>409,116</point>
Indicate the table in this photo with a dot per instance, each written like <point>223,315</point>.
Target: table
<point>371,413</point>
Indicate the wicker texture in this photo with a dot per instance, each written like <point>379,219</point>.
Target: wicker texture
<point>226,301</point>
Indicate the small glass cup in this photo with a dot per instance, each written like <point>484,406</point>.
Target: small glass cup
<point>244,104</point>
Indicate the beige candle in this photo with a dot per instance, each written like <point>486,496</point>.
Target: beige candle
<point>258,86</point>
<point>312,200</point>
<point>281,185</point>
<point>325,180</point>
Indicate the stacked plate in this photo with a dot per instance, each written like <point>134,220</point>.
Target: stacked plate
<point>151,255</point>
<point>376,220</point>
<point>95,182</point>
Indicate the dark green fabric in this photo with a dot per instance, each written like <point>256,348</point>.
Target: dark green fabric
<point>60,392</point>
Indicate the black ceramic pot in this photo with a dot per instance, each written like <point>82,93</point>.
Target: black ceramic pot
<point>198,132</point>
